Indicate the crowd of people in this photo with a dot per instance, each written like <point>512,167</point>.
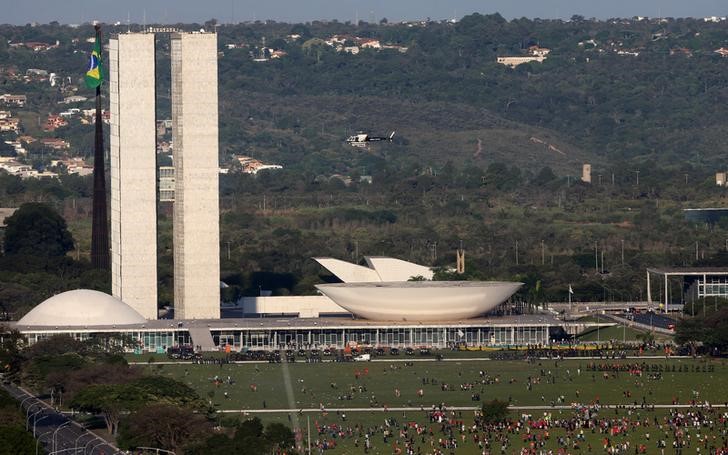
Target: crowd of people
<point>584,429</point>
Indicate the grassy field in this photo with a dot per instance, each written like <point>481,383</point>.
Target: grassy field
<point>335,385</point>
<point>323,427</point>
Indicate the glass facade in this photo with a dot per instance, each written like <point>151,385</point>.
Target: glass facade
<point>714,286</point>
<point>287,338</point>
<point>438,337</point>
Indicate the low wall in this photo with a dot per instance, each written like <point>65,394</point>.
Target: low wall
<point>305,306</point>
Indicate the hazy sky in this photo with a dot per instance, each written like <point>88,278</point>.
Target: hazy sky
<point>171,11</point>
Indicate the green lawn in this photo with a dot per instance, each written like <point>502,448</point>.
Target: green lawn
<point>323,428</point>
<point>331,384</point>
<point>311,387</point>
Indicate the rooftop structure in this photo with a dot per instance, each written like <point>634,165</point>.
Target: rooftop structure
<point>419,300</point>
<point>697,282</point>
<point>81,308</point>
<point>383,291</point>
<point>380,268</point>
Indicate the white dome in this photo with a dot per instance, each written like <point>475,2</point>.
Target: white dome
<point>82,307</point>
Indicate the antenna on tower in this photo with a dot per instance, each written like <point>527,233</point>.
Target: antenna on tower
<point>128,22</point>
<point>144,19</point>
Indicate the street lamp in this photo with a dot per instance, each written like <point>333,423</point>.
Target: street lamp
<point>92,440</point>
<point>75,443</point>
<point>37,443</point>
<point>23,401</point>
<point>97,445</point>
<point>36,420</point>
<point>62,450</point>
<point>28,415</point>
<point>67,422</point>
<point>157,449</point>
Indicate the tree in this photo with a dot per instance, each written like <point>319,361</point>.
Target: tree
<point>10,350</point>
<point>495,411</point>
<point>114,400</point>
<point>36,229</point>
<point>279,437</point>
<point>164,426</point>
<point>109,400</point>
<point>710,330</point>
<point>250,438</point>
<point>646,337</point>
<point>16,441</point>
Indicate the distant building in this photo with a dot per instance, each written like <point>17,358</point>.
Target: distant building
<point>250,165</point>
<point>24,171</point>
<point>586,173</point>
<point>9,125</point>
<point>75,165</point>
<point>513,62</point>
<point>54,122</point>
<point>74,99</point>
<point>720,178</point>
<point>536,54</point>
<point>55,143</point>
<point>36,72</point>
<point>370,44</point>
<point>13,100</point>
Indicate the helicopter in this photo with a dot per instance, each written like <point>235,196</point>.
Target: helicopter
<point>361,139</point>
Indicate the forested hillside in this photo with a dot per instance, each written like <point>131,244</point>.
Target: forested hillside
<point>484,154</point>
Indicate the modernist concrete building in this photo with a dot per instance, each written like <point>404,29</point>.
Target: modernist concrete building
<point>134,175</point>
<point>382,291</point>
<point>196,211</point>
<point>85,314</point>
<point>133,172</point>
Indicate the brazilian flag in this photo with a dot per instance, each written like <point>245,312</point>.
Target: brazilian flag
<point>94,73</point>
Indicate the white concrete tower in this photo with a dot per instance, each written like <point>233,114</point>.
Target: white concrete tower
<point>196,206</point>
<point>133,172</point>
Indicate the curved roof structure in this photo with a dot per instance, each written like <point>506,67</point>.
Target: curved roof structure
<point>82,307</point>
<point>380,268</point>
<point>348,272</point>
<point>420,300</point>
<point>391,269</point>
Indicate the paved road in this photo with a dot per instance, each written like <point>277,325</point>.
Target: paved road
<point>57,433</point>
<point>458,408</point>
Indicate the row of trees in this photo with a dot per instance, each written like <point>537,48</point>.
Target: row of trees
<point>14,439</point>
<point>140,408</point>
<point>705,326</point>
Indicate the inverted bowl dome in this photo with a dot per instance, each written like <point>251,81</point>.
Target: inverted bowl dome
<point>82,307</point>
<point>420,300</point>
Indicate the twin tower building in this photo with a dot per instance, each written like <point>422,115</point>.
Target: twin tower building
<point>134,173</point>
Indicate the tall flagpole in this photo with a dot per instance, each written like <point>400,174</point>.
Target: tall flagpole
<point>100,223</point>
